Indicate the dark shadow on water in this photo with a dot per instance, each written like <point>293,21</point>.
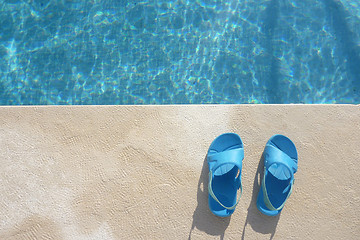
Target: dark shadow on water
<point>258,221</point>
<point>337,15</point>
<point>271,78</point>
<point>203,219</point>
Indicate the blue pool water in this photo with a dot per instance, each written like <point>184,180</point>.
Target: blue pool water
<point>184,51</point>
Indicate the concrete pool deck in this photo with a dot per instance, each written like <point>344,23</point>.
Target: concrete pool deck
<point>138,172</point>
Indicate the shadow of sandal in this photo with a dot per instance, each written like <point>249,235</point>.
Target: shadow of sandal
<point>203,219</point>
<point>259,222</point>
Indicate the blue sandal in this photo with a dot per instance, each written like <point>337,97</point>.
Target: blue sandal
<point>280,164</point>
<point>225,157</point>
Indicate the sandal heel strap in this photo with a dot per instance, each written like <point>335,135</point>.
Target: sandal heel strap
<point>212,194</point>
<point>267,201</point>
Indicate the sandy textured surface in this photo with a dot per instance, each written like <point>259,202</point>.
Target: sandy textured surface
<point>138,172</point>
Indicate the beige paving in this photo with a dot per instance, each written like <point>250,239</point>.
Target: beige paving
<point>138,172</point>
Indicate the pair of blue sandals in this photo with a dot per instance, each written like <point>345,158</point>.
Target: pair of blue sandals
<point>225,157</point>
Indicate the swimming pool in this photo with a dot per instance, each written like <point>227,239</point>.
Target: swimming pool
<point>175,52</point>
